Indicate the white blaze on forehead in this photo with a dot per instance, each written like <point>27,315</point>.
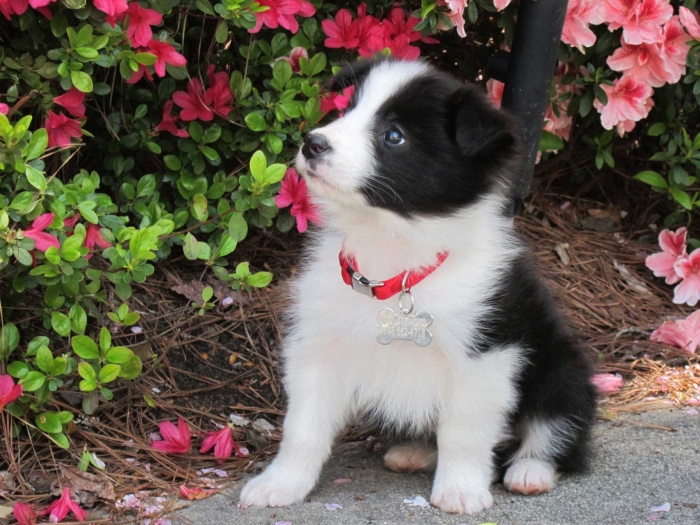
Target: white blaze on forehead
<point>351,160</point>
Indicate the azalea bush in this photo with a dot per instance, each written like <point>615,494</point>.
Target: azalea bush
<point>132,131</point>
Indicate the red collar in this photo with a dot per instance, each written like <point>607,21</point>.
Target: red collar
<point>383,289</point>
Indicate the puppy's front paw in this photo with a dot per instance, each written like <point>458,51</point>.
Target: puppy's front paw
<point>529,477</point>
<point>459,501</point>
<point>275,489</point>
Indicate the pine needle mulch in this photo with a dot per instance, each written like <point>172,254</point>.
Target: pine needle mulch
<point>205,368</point>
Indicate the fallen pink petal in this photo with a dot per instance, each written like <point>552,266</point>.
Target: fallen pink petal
<point>333,506</point>
<point>417,501</point>
<point>666,507</point>
<point>342,480</point>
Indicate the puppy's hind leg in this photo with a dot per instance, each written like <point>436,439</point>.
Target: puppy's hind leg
<point>411,457</point>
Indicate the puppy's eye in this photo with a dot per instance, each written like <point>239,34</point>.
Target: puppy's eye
<point>394,137</point>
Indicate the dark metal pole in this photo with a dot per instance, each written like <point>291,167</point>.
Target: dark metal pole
<point>528,78</point>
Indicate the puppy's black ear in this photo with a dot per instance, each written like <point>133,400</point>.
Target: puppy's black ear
<point>352,74</point>
<point>480,129</point>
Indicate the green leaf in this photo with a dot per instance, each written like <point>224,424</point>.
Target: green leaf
<point>221,33</point>
<point>82,81</point>
<point>145,186</point>
<point>49,422</point>
<point>550,141</point>
<point>682,198</point>
<point>227,246</point>
<point>59,366</point>
<point>656,129</point>
<point>105,339</point>
<point>60,439</point>
<point>256,121</point>
<point>44,359</point>
<point>60,323</point>
<point>275,173</point>
<point>35,177</point>
<point>237,227</point>
<point>282,72</point>
<point>190,247</point>
<point>199,207</point>
<point>260,279</point>
<point>86,371</point>
<point>119,355</point>
<point>196,132</point>
<point>172,162</point>
<point>18,369</point>
<point>33,381</point>
<point>85,347</point>
<point>132,368</point>
<point>258,165</point>
<point>87,52</point>
<point>37,144</point>
<point>106,393</point>
<point>109,373</point>
<point>9,339</point>
<point>652,178</point>
<point>78,318</point>
<point>145,59</point>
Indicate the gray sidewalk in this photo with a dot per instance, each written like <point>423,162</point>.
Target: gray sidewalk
<point>635,468</point>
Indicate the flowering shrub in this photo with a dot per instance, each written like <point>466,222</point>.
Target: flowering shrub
<point>130,130</point>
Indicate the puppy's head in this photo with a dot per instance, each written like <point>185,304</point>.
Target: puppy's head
<point>413,140</point>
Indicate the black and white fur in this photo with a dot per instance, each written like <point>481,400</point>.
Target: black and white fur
<point>503,387</point>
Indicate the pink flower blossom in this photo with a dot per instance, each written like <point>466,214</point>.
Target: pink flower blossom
<point>688,268</point>
<point>222,441</point>
<point>139,74</point>
<point>9,392</point>
<point>339,101</point>
<point>94,237</point>
<point>13,7</point>
<point>607,383</point>
<point>112,8</point>
<point>294,57</point>
<point>42,240</point>
<point>295,192</point>
<point>24,514</point>
<point>341,32</point>
<point>691,21</point>
<point>176,440</point>
<point>194,102</point>
<point>282,13</point>
<point>165,54</point>
<point>640,20</point>
<point>559,122</point>
<point>61,129</point>
<point>456,14</point>
<point>60,508</point>
<point>494,89</point>
<point>370,33</point>
<point>629,101</point>
<point>140,22</point>
<point>169,122</point>
<point>397,24</point>
<point>501,4</point>
<point>219,95</point>
<point>579,14</point>
<point>4,108</point>
<point>72,101</point>
<point>683,333</point>
<point>673,247</point>
<point>658,63</point>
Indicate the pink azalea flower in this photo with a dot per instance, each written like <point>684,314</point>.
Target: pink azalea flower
<point>684,333</point>
<point>293,58</point>
<point>4,108</point>
<point>341,32</point>
<point>194,102</point>
<point>501,4</point>
<point>400,48</point>
<point>397,23</point>
<point>165,54</point>
<point>673,246</point>
<point>494,89</point>
<point>169,122</point>
<point>559,122</point>
<point>295,192</point>
<point>580,13</point>
<point>629,101</point>
<point>24,514</point>
<point>370,33</point>
<point>282,13</point>
<point>223,444</point>
<point>72,101</point>
<point>339,101</point>
<point>176,440</point>
<point>42,240</point>
<point>112,8</point>
<point>139,74</point>
<point>219,94</point>
<point>691,21</point>
<point>94,237</point>
<point>688,268</point>
<point>60,508</point>
<point>658,63</point>
<point>640,20</point>
<point>13,7</point>
<point>456,14</point>
<point>607,383</point>
<point>140,22</point>
<point>60,129</point>
<point>9,392</point>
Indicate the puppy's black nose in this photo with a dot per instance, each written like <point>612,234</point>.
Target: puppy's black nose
<point>314,146</point>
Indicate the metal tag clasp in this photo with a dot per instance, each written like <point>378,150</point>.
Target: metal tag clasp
<point>361,284</point>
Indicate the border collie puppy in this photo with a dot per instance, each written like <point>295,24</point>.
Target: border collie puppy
<point>481,380</point>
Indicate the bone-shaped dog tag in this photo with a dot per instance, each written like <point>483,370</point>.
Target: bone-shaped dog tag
<point>404,326</point>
